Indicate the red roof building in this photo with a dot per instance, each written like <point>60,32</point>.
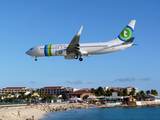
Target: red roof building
<point>55,90</point>
<point>78,93</point>
<point>15,88</point>
<point>55,87</point>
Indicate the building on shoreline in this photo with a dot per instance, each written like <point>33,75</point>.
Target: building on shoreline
<point>78,93</point>
<point>15,90</point>
<point>55,90</point>
<point>115,88</point>
<point>129,89</point>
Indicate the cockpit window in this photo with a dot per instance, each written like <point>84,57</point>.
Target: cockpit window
<point>31,49</point>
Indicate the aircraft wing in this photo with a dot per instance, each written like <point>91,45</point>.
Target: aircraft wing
<point>73,47</point>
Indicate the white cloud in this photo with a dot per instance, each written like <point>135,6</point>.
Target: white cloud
<point>125,79</point>
<point>145,79</point>
<point>32,82</point>
<point>129,79</point>
<point>89,82</point>
<point>78,82</point>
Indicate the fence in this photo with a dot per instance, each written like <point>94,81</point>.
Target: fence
<point>19,103</point>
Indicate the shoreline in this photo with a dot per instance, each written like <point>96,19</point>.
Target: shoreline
<point>45,115</point>
<point>39,111</point>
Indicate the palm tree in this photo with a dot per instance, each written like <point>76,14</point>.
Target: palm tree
<point>108,92</point>
<point>29,96</point>
<point>141,94</point>
<point>22,95</point>
<point>93,91</point>
<point>100,91</point>
<point>148,92</point>
<point>137,96</point>
<point>43,96</point>
<point>6,95</point>
<point>154,92</point>
<point>124,92</point>
<point>133,91</point>
<point>120,93</point>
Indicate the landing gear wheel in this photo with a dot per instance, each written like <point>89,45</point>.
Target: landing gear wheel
<point>35,58</point>
<point>80,59</point>
<point>76,56</point>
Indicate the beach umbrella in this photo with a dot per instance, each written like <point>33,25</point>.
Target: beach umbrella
<point>107,98</point>
<point>103,99</point>
<point>97,99</point>
<point>94,99</point>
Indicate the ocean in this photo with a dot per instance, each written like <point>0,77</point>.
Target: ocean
<point>117,113</point>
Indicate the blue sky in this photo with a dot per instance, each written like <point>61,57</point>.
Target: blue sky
<point>25,24</point>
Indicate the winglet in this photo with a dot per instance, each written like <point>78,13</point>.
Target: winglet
<point>79,32</point>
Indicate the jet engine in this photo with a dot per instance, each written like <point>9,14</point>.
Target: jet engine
<point>69,57</point>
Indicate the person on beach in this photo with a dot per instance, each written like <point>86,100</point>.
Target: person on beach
<point>18,113</point>
<point>32,117</point>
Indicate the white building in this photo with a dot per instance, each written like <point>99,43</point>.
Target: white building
<point>129,89</point>
<point>15,90</point>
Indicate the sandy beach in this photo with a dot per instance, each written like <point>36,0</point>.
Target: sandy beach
<point>10,113</point>
<point>26,112</point>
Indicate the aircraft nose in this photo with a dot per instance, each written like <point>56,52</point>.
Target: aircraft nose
<point>28,52</point>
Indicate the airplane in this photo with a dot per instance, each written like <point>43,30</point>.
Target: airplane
<point>75,50</point>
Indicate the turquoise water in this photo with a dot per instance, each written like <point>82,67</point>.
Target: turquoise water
<point>138,113</point>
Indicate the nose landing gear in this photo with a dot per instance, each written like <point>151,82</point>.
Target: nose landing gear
<point>35,58</point>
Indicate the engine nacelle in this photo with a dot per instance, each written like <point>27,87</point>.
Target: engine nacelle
<point>61,52</point>
<point>69,57</point>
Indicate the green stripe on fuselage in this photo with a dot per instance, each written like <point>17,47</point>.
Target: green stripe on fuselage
<point>49,50</point>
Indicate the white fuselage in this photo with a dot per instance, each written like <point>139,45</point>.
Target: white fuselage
<point>86,49</point>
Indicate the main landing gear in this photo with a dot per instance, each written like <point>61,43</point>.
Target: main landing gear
<point>76,57</point>
<point>80,59</point>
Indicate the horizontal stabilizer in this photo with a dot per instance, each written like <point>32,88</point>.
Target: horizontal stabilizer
<point>135,44</point>
<point>128,41</point>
